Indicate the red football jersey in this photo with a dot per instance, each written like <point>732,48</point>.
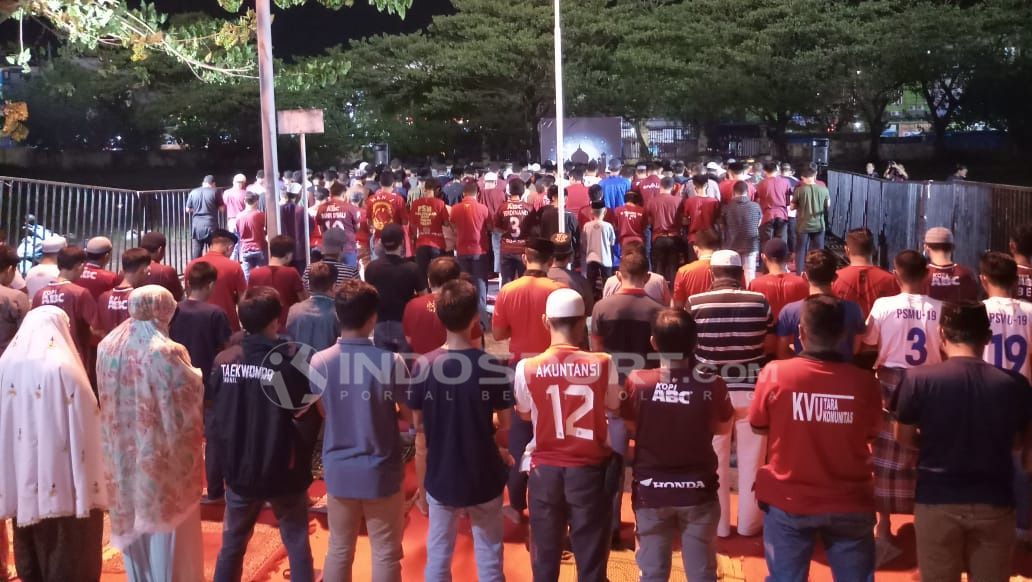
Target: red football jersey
<point>510,220</point>
<point>424,331</point>
<point>567,392</point>
<point>649,187</point>
<point>385,208</point>
<point>699,213</point>
<point>113,308</point>
<point>1024,283</point>
<point>630,223</point>
<point>952,282</point>
<point>97,280</point>
<point>337,213</point>
<point>864,284</point>
<point>780,290</point>
<point>80,306</point>
<point>429,215</point>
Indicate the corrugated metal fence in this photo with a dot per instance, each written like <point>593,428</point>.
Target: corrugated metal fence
<point>982,216</point>
<point>31,209</point>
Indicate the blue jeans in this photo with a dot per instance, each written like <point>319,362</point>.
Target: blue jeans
<point>512,269</point>
<point>476,266</point>
<point>806,242</point>
<point>251,260</point>
<point>496,251</point>
<point>520,434</point>
<point>848,538</point>
<point>291,512</point>
<point>488,530</point>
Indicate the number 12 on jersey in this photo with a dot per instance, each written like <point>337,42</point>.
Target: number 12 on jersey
<point>566,425</point>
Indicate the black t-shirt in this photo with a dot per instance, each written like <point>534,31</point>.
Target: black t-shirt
<point>458,392</point>
<point>674,411</point>
<point>203,329</point>
<point>397,280</point>
<point>624,322</point>
<point>968,414</point>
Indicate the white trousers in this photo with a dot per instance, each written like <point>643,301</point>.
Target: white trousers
<point>751,449</point>
<point>176,556</point>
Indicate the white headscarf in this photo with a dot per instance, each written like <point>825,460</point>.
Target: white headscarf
<point>49,425</point>
<point>151,399</point>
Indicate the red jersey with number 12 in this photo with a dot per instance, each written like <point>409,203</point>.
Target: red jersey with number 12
<point>510,220</point>
<point>566,391</point>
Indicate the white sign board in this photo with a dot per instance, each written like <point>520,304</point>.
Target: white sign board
<point>299,121</point>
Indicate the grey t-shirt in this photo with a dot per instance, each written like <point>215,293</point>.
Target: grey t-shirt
<point>313,322</point>
<point>204,202</point>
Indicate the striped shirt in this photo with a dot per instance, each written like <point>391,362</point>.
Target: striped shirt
<point>740,222</point>
<point>343,272</point>
<point>732,326</point>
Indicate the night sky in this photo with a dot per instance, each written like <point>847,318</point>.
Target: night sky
<point>310,29</point>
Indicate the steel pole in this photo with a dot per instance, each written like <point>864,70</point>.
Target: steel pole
<point>266,85</point>
<point>559,120</point>
<point>304,199</point>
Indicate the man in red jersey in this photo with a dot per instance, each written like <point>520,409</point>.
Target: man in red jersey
<point>566,392</point>
<point>576,193</point>
<point>663,215</point>
<point>383,208</point>
<point>528,336</point>
<point>281,275</point>
<point>95,277</point>
<point>649,185</point>
<point>424,331</point>
<point>735,173</point>
<point>948,281</point>
<point>1021,250</point>
<point>230,284</point>
<point>630,219</point>
<point>76,301</point>
<point>779,286</point>
<point>429,216</point>
<point>772,194</point>
<point>338,212</point>
<point>861,281</point>
<point>161,274</point>
<point>472,223</point>
<point>113,305</point>
<point>699,211</point>
<point>696,277</point>
<point>510,221</point>
<point>820,415</point>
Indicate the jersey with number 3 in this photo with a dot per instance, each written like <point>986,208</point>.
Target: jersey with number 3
<point>1008,348</point>
<point>511,217</point>
<point>905,328</point>
<point>566,391</point>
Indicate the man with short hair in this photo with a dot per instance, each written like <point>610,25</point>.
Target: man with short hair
<point>424,331</point>
<point>454,405</point>
<point>202,206</point>
<point>250,230</point>
<point>740,225</point>
<point>565,393</point>
<point>560,271</point>
<point>204,331</point>
<point>621,325</point>
<point>779,286</point>
<point>736,172</point>
<point>113,304</point>
<point>155,243</point>
<point>649,185</point>
<point>663,215</point>
<point>13,304</point>
<point>430,216</point>
<point>45,272</point>
<point>699,211</point>
<point>597,241</point>
<point>905,330</point>
<point>772,194</point>
<point>655,285</point>
<point>233,199</point>
<point>313,321</point>
<point>334,242</point>
<point>676,403</point>
<point>736,331</point>
<point>696,277</point>
<point>862,281</point>
<point>819,414</point>
<point>339,213</point>
<point>361,447</point>
<point>396,281</point>
<point>1020,246</point>
<point>1009,319</point>
<point>820,274</point>
<point>630,219</point>
<point>76,301</point>
<point>947,281</point>
<point>472,223</point>
<point>969,416</point>
<point>281,275</point>
<point>511,219</point>
<point>811,201</point>
<point>576,192</point>
<point>230,284</point>
<point>259,443</point>
<point>383,208</point>
<point>95,277</point>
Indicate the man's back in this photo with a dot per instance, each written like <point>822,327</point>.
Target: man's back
<point>204,202</point>
<point>663,215</point>
<point>167,277</point>
<point>905,328</point>
<point>613,190</point>
<point>630,223</point>
<point>204,330</point>
<point>251,228</point>
<point>471,221</point>
<point>624,323</point>
<point>339,213</point>
<point>385,208</point>
<point>13,307</point>
<point>314,322</point>
<point>519,306</point>
<point>741,221</point>
<point>97,280</point>
<point>952,282</point>
<point>397,281</point>
<point>811,201</point>
<point>864,284</point>
<point>695,277</point>
<point>780,290</point>
<point>284,280</point>
<point>772,194</point>
<point>229,285</point>
<point>1010,321</point>
<point>732,327</point>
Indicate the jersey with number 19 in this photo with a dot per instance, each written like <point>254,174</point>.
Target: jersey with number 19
<point>905,328</point>
<point>567,391</point>
<point>1008,349</point>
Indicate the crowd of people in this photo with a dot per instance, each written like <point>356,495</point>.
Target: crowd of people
<point>669,315</point>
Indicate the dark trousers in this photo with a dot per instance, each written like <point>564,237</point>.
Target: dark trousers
<point>477,267</point>
<point>291,512</point>
<point>512,269</point>
<point>200,229</point>
<point>424,256</point>
<point>520,433</point>
<point>576,496</point>
<point>596,275</point>
<point>775,228</point>
<point>212,465</point>
<point>664,257</point>
<point>60,549</point>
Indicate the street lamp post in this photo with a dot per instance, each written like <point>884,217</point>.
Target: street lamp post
<point>266,84</point>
